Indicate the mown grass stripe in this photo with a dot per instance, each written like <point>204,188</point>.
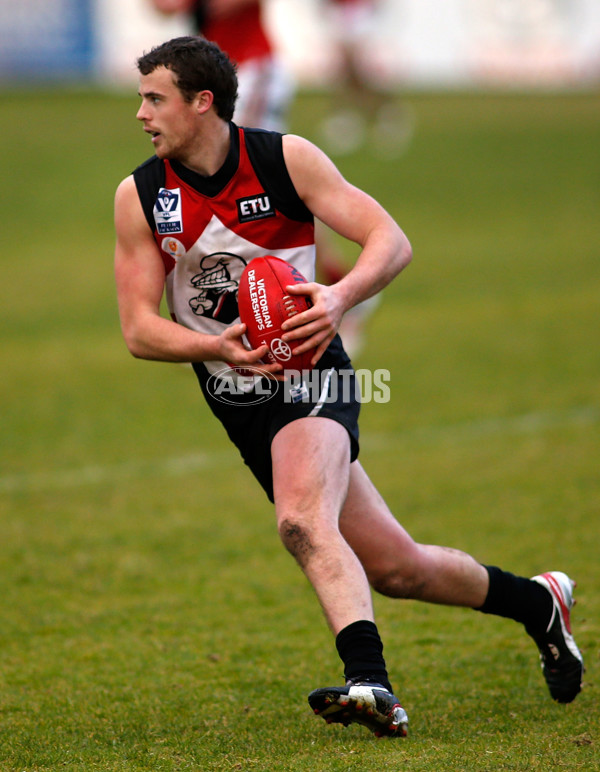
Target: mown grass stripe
<point>175,466</point>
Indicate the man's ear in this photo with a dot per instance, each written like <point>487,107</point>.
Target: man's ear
<point>204,101</point>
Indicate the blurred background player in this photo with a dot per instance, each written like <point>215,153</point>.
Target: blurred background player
<point>237,26</point>
<point>265,93</point>
<point>363,109</point>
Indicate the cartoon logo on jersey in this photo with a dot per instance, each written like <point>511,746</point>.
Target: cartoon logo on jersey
<point>218,282</point>
<point>253,208</point>
<point>167,211</point>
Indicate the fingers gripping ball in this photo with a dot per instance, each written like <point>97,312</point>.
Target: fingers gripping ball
<point>264,306</point>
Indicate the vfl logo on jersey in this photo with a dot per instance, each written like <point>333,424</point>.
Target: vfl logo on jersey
<point>254,208</point>
<point>167,211</point>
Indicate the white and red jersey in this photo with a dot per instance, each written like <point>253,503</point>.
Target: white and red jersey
<point>209,228</point>
<point>240,33</point>
<point>351,21</point>
<point>266,87</point>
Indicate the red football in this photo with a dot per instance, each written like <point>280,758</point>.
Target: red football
<point>264,305</point>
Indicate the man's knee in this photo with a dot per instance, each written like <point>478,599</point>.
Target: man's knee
<point>297,540</point>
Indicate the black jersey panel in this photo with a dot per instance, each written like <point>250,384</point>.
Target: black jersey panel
<point>149,178</point>
<point>265,150</point>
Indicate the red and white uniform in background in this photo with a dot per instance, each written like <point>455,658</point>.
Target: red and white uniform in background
<point>265,87</point>
<point>240,33</point>
<point>350,20</point>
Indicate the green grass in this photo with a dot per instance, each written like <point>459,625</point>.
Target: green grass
<point>150,618</point>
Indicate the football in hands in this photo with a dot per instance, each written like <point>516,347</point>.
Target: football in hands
<point>265,305</point>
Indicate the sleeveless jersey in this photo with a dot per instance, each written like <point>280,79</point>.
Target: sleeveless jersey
<point>209,228</point>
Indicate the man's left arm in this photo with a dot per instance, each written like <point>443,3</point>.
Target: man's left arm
<point>355,215</point>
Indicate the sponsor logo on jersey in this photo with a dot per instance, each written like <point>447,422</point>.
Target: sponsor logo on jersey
<point>167,211</point>
<point>252,208</point>
<point>173,247</point>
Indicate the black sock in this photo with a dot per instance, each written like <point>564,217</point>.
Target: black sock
<point>518,598</point>
<point>361,650</point>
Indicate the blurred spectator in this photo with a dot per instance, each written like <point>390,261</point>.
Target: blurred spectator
<point>237,26</point>
<point>364,110</point>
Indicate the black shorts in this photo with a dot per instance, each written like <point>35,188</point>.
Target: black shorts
<point>253,418</point>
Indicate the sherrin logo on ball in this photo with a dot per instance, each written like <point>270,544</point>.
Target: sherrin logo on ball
<point>264,305</point>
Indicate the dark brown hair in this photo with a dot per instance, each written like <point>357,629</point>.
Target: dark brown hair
<point>198,65</point>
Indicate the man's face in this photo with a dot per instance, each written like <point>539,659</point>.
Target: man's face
<point>167,117</point>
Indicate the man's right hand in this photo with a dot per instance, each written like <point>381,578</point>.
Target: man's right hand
<point>233,350</point>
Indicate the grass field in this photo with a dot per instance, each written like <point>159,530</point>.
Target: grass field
<point>150,619</point>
